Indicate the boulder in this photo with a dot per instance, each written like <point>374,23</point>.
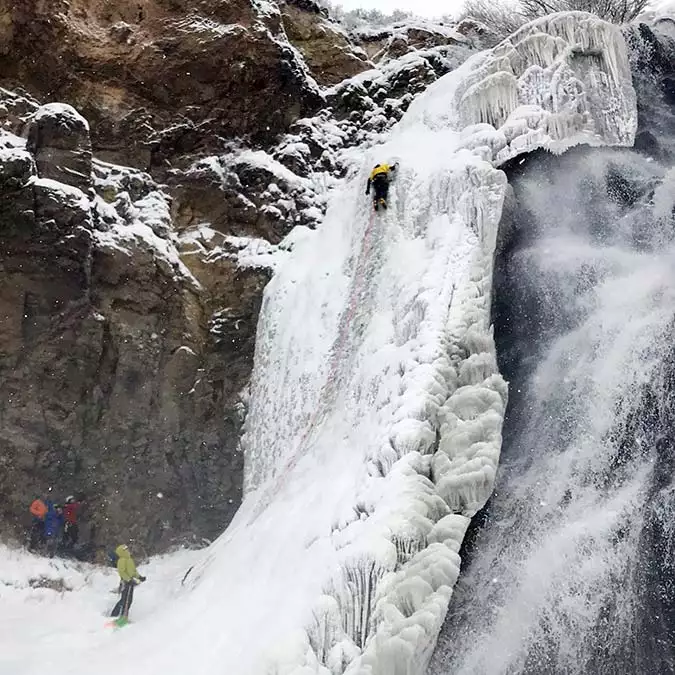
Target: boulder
<point>58,138</point>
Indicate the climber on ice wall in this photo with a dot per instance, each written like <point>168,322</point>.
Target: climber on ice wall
<point>379,180</point>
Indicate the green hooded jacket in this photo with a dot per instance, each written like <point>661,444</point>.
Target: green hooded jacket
<point>125,564</point>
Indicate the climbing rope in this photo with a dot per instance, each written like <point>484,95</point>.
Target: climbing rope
<point>337,351</point>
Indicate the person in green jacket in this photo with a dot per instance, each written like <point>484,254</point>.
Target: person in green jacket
<point>129,577</point>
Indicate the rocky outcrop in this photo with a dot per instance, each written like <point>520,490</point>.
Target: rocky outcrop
<point>328,51</point>
<point>403,38</point>
<point>247,194</point>
<point>159,79</point>
<point>58,138</point>
<point>481,35</point>
<point>122,371</point>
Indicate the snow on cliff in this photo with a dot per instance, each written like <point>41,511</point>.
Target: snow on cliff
<point>374,428</point>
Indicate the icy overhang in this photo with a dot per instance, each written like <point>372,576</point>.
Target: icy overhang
<point>560,81</point>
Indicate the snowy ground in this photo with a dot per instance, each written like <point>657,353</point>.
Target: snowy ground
<point>54,612</point>
<point>376,407</point>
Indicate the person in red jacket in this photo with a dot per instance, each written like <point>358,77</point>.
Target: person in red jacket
<point>70,527</point>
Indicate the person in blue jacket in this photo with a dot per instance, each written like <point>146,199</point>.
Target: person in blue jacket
<point>53,526</point>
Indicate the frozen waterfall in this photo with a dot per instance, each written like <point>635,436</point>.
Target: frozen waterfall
<point>376,405</point>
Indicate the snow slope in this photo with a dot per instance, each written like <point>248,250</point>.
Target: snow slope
<point>55,612</point>
<point>376,406</point>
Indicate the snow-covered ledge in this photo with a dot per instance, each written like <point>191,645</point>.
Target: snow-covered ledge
<point>560,81</point>
<point>376,408</point>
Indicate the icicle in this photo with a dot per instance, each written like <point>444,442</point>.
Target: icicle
<point>356,597</point>
<point>490,100</point>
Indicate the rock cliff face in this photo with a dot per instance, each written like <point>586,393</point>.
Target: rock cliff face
<point>403,38</point>
<point>326,48</point>
<point>154,156</point>
<point>151,73</point>
<point>122,370</point>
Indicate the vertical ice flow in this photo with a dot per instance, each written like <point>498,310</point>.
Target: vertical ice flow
<point>374,427</point>
<point>375,365</point>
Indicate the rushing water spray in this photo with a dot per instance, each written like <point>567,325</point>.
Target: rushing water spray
<point>572,570</point>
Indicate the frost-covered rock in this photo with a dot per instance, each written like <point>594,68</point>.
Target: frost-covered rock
<point>15,110</point>
<point>245,193</point>
<point>17,168</point>
<point>108,354</point>
<point>478,32</point>
<point>58,137</point>
<point>387,92</point>
<point>402,38</point>
<point>110,180</point>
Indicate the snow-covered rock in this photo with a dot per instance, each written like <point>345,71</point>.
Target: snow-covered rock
<point>401,38</point>
<point>246,192</point>
<point>58,137</point>
<point>95,274</point>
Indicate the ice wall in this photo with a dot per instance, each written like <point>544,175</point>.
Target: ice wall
<point>375,365</point>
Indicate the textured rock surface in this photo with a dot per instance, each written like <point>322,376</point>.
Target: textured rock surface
<point>158,78</point>
<point>243,195</point>
<point>121,373</point>
<point>400,39</point>
<point>58,137</point>
<point>326,48</point>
